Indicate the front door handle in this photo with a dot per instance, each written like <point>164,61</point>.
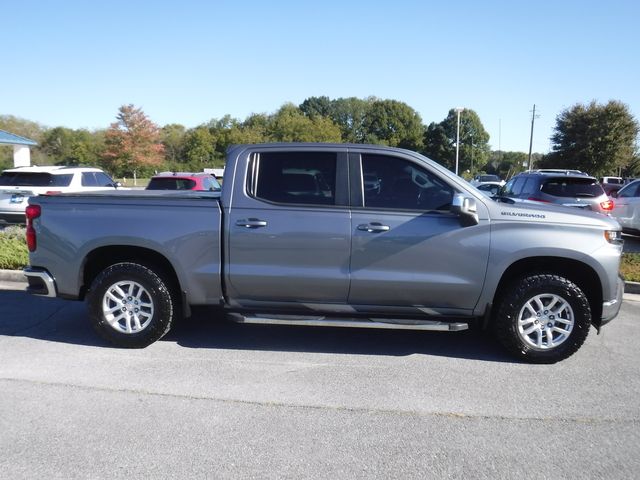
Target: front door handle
<point>251,223</point>
<point>373,227</point>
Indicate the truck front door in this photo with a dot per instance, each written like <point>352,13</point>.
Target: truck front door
<point>408,250</point>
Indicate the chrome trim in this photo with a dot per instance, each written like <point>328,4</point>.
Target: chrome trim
<point>47,279</point>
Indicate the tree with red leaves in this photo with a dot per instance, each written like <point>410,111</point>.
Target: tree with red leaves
<point>132,143</point>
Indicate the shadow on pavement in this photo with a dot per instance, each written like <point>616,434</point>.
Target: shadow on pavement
<point>56,320</point>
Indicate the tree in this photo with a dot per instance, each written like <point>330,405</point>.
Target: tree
<point>199,147</point>
<point>317,106</point>
<point>172,137</point>
<point>70,147</point>
<point>595,138</point>
<point>395,124</point>
<point>289,124</point>
<point>437,145</point>
<point>132,143</point>
<point>474,141</point>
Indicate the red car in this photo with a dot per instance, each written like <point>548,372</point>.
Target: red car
<point>184,181</point>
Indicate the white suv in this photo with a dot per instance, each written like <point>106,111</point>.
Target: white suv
<point>18,184</point>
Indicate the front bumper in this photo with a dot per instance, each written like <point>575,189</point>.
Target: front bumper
<point>611,308</point>
<point>40,282</point>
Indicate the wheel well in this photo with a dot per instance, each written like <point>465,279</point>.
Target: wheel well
<point>579,273</point>
<point>103,257</point>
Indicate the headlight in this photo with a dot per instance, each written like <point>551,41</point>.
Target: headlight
<point>613,236</point>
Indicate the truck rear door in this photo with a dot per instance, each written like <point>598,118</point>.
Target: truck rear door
<point>288,227</point>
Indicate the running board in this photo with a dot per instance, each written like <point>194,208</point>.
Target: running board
<point>389,324</point>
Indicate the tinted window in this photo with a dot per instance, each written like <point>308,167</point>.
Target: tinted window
<point>631,190</point>
<point>514,187</point>
<point>391,182</point>
<point>488,178</point>
<point>103,180</point>
<point>34,179</point>
<point>572,187</point>
<point>171,183</point>
<point>89,179</point>
<point>295,177</point>
<point>531,186</point>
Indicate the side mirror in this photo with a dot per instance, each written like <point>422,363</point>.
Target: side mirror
<point>466,209</point>
<point>614,194</point>
<point>117,185</point>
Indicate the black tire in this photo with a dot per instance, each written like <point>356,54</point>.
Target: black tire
<point>515,300</point>
<point>148,288</point>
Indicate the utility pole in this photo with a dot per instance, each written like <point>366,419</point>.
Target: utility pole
<point>458,110</point>
<point>533,119</point>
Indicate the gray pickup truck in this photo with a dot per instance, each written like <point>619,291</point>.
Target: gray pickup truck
<point>336,235</point>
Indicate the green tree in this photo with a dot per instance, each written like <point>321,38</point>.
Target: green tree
<point>289,124</point>
<point>595,138</point>
<point>317,106</point>
<point>72,147</point>
<point>474,141</point>
<point>438,146</point>
<point>172,137</point>
<point>199,147</point>
<point>394,123</point>
<point>132,143</point>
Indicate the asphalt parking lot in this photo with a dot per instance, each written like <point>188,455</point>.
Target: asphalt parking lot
<point>218,400</point>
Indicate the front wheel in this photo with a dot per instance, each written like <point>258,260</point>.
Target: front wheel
<point>543,318</point>
<point>130,305</point>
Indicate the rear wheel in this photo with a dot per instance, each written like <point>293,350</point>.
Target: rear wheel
<point>131,306</point>
<point>543,318</point>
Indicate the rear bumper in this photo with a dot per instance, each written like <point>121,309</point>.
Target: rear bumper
<point>611,308</point>
<point>40,282</point>
<point>12,217</point>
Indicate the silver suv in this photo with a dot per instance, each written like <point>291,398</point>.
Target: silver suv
<point>568,189</point>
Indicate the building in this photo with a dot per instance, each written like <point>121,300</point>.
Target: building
<point>21,148</point>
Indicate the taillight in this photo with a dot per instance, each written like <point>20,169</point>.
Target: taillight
<point>32,212</point>
<point>52,192</point>
<point>607,205</point>
<point>536,199</point>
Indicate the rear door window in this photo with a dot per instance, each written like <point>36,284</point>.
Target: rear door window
<point>583,187</point>
<point>307,178</point>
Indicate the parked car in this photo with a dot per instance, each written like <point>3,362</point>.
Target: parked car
<point>184,181</point>
<point>490,189</point>
<point>571,190</point>
<point>627,207</point>
<point>611,184</point>
<point>484,178</point>
<point>425,251</point>
<point>18,184</point>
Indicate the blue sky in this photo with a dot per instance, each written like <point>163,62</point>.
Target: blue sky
<point>75,63</point>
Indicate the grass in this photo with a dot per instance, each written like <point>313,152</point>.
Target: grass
<point>14,255</point>
<point>630,267</point>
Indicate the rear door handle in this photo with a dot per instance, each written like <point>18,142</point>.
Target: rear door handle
<point>373,227</point>
<point>251,223</point>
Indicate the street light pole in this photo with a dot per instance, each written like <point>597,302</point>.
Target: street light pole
<point>458,110</point>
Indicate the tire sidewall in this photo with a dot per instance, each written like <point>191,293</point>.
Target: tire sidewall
<point>163,302</point>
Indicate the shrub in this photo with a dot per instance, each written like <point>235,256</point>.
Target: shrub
<point>13,249</point>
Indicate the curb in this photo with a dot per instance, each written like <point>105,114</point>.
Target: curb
<point>12,276</point>
<point>18,277</point>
